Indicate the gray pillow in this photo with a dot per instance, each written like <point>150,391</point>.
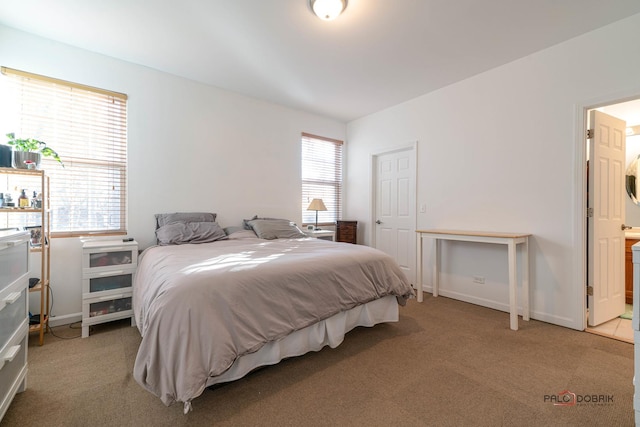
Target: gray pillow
<point>168,218</point>
<point>242,234</point>
<point>245,222</point>
<point>178,233</point>
<point>233,229</point>
<point>275,229</point>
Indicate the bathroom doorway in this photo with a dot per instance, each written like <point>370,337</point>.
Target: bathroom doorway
<point>620,327</point>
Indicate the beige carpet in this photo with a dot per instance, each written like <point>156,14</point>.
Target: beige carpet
<point>446,363</point>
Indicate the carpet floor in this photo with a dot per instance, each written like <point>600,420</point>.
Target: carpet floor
<point>445,363</point>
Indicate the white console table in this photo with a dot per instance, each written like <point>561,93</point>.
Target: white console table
<point>509,239</point>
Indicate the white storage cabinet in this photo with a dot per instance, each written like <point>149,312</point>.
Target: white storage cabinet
<point>108,269</point>
<point>14,319</point>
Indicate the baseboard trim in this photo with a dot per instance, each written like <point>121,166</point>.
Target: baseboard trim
<point>66,319</point>
<point>496,305</point>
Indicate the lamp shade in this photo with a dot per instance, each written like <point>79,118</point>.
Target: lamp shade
<point>317,205</point>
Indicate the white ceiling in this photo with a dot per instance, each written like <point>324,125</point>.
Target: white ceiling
<point>377,54</point>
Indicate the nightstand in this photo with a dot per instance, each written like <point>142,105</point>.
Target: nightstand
<point>346,231</point>
<point>321,234</point>
<point>108,268</point>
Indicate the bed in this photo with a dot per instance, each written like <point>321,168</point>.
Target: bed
<point>212,311</point>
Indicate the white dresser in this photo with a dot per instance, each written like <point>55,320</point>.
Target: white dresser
<point>14,319</point>
<point>108,268</point>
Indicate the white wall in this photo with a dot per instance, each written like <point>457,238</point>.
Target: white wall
<point>499,151</point>
<point>191,147</point>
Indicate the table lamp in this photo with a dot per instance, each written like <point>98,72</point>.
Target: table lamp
<point>317,205</point>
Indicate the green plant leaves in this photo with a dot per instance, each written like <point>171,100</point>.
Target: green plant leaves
<point>32,145</point>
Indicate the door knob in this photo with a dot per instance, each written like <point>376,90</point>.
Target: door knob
<point>380,222</point>
<point>625,227</point>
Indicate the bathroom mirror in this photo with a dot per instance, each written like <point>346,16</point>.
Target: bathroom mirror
<point>632,178</point>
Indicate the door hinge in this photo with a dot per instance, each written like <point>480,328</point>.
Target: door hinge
<point>590,290</point>
<point>589,212</point>
<point>589,133</point>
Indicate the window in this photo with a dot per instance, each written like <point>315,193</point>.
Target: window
<point>321,178</point>
<point>88,128</point>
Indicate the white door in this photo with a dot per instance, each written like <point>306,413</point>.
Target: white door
<point>606,295</point>
<point>395,207</point>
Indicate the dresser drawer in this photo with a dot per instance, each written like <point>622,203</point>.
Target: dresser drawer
<point>107,282</point>
<point>13,368</point>
<point>107,256</point>
<point>103,309</point>
<point>346,235</point>
<point>14,258</point>
<point>13,311</point>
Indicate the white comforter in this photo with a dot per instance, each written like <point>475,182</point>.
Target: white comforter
<point>199,307</point>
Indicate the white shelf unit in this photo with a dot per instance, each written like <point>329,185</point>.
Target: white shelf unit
<point>108,270</point>
<point>14,318</point>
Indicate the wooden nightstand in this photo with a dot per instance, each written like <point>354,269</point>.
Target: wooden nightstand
<point>321,234</point>
<point>347,231</point>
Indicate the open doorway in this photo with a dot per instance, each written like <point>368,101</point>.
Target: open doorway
<point>619,327</point>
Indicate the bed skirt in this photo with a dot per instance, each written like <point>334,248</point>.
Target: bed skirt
<point>329,332</point>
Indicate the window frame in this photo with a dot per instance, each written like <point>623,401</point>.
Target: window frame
<point>106,129</point>
<point>336,203</point>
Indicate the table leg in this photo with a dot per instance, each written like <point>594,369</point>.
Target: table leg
<point>525,279</point>
<point>513,290</point>
<point>419,269</point>
<point>436,263</point>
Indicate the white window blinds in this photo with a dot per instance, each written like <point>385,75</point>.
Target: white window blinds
<point>88,128</point>
<point>321,178</point>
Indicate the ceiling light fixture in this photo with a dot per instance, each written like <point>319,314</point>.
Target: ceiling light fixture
<point>328,10</point>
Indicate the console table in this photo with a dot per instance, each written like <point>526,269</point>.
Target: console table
<point>509,239</point>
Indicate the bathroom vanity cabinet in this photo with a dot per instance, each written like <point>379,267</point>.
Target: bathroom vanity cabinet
<point>628,270</point>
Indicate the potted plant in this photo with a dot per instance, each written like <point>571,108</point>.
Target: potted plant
<point>27,153</point>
